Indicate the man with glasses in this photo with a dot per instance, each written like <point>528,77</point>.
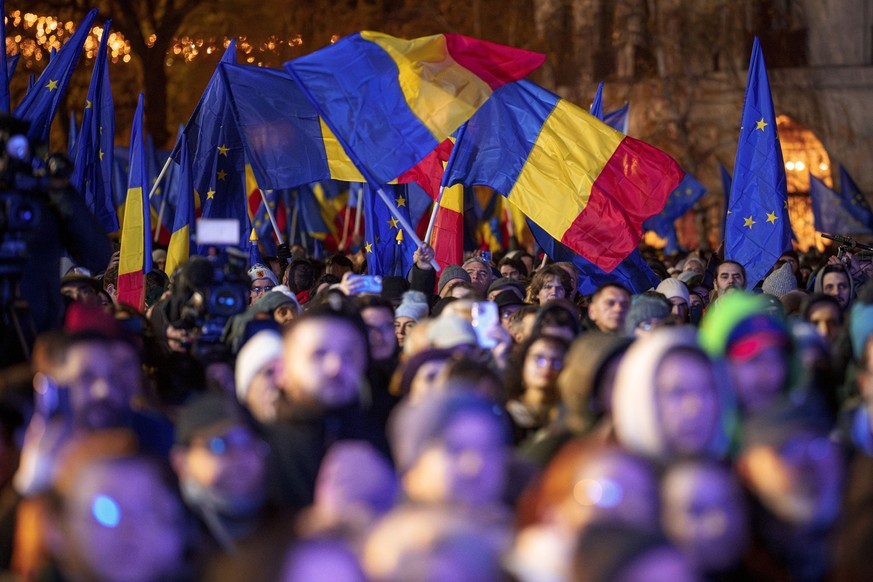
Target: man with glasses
<point>263,281</point>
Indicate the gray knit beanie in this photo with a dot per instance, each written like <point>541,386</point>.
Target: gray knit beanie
<point>414,305</point>
<point>780,281</point>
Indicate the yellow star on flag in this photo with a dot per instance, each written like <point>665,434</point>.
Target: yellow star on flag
<point>210,194</point>
<point>100,154</point>
<point>401,201</point>
<point>52,85</point>
<point>771,217</point>
<point>223,149</point>
<point>368,247</point>
<point>761,124</point>
<point>393,222</point>
<point>222,174</point>
<point>749,222</point>
<point>88,104</point>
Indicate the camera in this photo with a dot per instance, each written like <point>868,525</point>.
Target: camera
<point>23,193</point>
<point>221,294</point>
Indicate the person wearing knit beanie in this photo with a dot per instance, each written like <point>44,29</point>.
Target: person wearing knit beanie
<point>263,280</point>
<point>256,368</point>
<point>677,294</point>
<point>449,274</point>
<point>412,309</point>
<point>646,311</point>
<point>780,281</point>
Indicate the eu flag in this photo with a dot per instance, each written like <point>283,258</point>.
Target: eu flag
<point>618,119</point>
<point>633,272</point>
<point>41,102</point>
<point>681,200</point>
<point>854,199</point>
<point>757,229</point>
<point>217,154</point>
<point>831,213</point>
<point>95,145</point>
<point>387,248</point>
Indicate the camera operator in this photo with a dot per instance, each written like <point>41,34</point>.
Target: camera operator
<point>41,216</point>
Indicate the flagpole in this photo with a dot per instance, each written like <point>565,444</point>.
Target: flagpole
<point>271,217</point>
<point>160,218</point>
<point>345,237</point>
<point>160,176</point>
<point>449,164</point>
<point>358,213</point>
<point>368,176</point>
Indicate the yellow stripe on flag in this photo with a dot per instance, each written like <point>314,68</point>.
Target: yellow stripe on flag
<point>432,82</point>
<point>562,156</point>
<point>178,251</point>
<point>132,234</point>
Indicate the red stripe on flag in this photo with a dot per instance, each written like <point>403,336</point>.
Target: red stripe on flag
<point>632,187</point>
<point>448,237</point>
<point>495,64</point>
<point>131,289</point>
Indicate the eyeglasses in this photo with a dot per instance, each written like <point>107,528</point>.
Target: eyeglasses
<point>258,290</point>
<point>547,362</point>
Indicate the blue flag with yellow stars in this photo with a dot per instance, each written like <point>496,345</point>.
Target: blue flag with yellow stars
<point>387,248</point>
<point>41,102</point>
<point>94,151</point>
<point>831,213</point>
<point>217,154</point>
<point>757,229</point>
<point>681,200</point>
<point>854,199</point>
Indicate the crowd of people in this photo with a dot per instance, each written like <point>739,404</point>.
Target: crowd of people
<point>287,421</point>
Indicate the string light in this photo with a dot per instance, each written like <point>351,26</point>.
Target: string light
<point>33,36</point>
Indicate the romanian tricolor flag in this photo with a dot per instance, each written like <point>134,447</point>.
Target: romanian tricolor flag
<point>180,240</point>
<point>136,241</point>
<point>288,145</point>
<point>390,102</point>
<point>587,185</point>
<point>447,239</point>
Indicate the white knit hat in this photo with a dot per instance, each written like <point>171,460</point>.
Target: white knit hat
<point>261,349</point>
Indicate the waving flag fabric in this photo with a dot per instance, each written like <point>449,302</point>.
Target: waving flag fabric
<point>179,248</point>
<point>681,200</point>
<point>287,143</point>
<point>618,119</point>
<point>633,272</point>
<point>854,199</point>
<point>587,185</point>
<point>217,154</point>
<point>392,101</point>
<point>831,213</point>
<point>387,249</point>
<point>757,229</point>
<point>41,102</point>
<point>597,105</point>
<point>95,147</point>
<point>135,259</point>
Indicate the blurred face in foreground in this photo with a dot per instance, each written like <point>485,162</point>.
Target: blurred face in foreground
<point>703,514</point>
<point>121,522</point>
<point>687,401</point>
<point>324,362</point>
